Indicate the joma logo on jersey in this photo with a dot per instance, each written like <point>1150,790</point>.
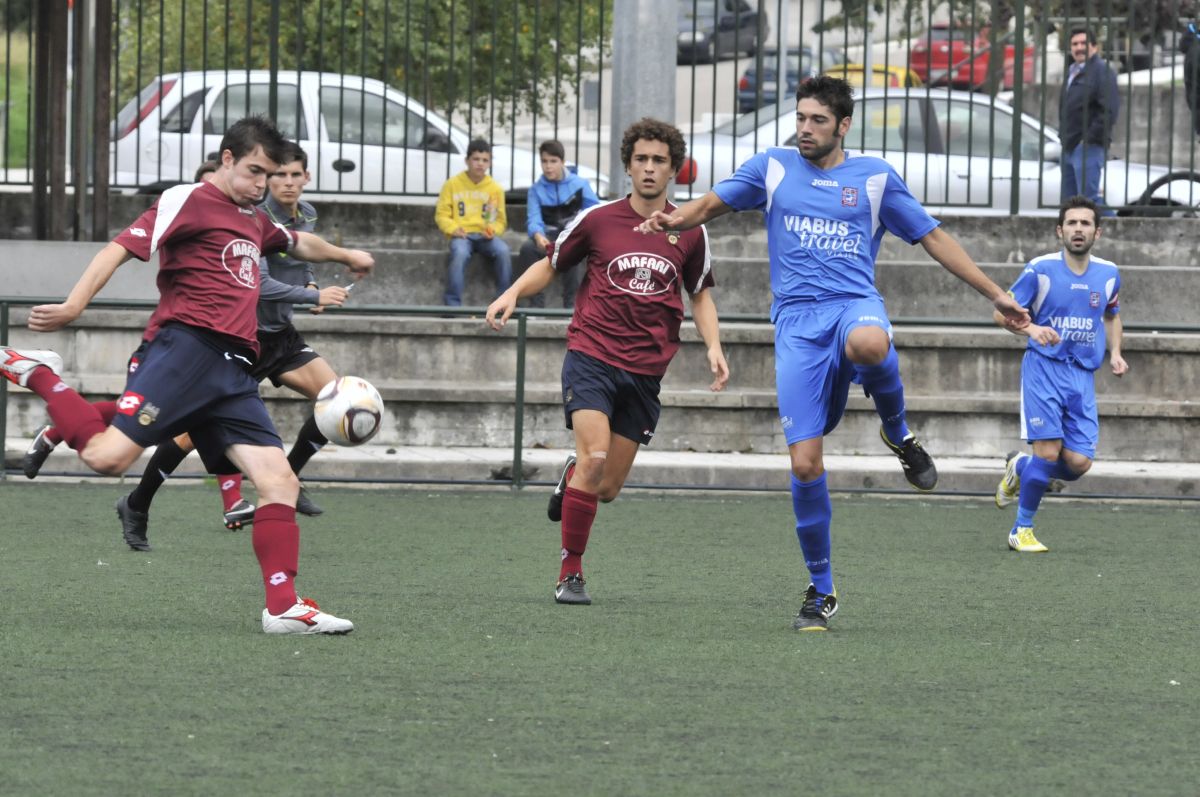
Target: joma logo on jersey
<point>823,183</point>
<point>240,258</point>
<point>641,273</point>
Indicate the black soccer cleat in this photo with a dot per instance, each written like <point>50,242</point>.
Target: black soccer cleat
<point>305,505</point>
<point>814,614</point>
<point>554,509</point>
<point>918,465</point>
<point>239,515</point>
<point>39,451</point>
<point>133,525</point>
<point>571,590</point>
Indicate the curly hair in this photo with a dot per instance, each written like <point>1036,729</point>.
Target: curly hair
<point>647,129</point>
<point>834,93</point>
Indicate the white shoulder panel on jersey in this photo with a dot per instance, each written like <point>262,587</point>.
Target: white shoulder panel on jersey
<point>1109,287</point>
<point>169,205</point>
<point>775,175</point>
<point>1048,256</point>
<point>876,183</point>
<point>1043,281</point>
<point>707,262</point>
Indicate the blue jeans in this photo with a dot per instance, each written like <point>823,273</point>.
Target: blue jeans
<point>461,250</point>
<point>1081,169</point>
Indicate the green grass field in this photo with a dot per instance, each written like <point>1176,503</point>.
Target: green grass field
<point>954,667</point>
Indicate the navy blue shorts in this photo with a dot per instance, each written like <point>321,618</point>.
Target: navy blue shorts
<point>280,352</point>
<point>629,400</point>
<point>185,381</point>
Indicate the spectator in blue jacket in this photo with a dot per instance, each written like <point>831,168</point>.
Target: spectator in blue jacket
<point>1087,112</point>
<point>555,199</point>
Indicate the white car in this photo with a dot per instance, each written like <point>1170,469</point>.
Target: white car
<point>954,150</point>
<point>361,135</point>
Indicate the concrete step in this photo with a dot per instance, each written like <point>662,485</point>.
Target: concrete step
<point>677,469</point>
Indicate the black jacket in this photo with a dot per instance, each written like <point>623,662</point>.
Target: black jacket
<point>1190,44</point>
<point>1088,108</point>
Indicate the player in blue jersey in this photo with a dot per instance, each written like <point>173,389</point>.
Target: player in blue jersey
<point>826,212</point>
<point>1072,296</point>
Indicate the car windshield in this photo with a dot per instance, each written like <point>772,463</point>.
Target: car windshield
<point>697,10</point>
<point>747,122</point>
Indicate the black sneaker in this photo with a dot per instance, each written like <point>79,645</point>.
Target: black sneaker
<point>305,505</point>
<point>36,456</point>
<point>133,525</point>
<point>554,510</point>
<point>918,465</point>
<point>240,514</point>
<point>815,613</point>
<point>571,590</point>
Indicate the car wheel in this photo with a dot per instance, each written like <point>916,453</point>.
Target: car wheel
<point>1149,205</point>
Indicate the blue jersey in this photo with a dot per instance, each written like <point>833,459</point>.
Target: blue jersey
<point>1072,304</point>
<point>824,226</point>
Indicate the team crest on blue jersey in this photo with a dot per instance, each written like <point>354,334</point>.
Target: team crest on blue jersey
<point>850,197</point>
<point>1095,299</point>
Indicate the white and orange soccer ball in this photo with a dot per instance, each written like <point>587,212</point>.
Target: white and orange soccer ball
<point>348,411</point>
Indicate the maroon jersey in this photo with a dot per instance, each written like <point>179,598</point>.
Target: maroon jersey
<point>630,303</point>
<point>208,249</point>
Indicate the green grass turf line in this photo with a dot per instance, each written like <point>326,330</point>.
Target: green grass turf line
<point>954,666</point>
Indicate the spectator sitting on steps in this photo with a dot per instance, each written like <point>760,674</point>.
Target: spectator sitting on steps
<point>470,211</point>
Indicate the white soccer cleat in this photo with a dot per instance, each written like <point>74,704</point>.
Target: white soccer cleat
<point>305,618</point>
<point>17,364</point>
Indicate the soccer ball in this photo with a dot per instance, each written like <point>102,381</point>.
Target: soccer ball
<point>348,411</point>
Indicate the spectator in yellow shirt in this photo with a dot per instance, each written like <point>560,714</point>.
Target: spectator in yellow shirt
<point>470,211</point>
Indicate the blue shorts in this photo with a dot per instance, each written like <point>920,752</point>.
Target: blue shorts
<point>629,400</point>
<point>185,381</point>
<point>812,372</point>
<point>1058,402</point>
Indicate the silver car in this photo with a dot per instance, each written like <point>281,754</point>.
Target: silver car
<point>360,134</point>
<point>954,149</point>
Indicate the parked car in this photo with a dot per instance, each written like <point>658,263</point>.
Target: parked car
<point>802,64</point>
<point>952,56</point>
<point>881,75</point>
<point>360,135</point>
<point>711,29</point>
<point>954,149</point>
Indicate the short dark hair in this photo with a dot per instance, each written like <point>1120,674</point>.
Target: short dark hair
<point>208,167</point>
<point>834,93</point>
<point>479,145</point>
<point>294,152</point>
<point>647,129</point>
<point>1078,201</point>
<point>244,135</point>
<point>1091,35</point>
<point>553,148</point>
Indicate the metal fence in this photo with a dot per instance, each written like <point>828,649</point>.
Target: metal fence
<point>962,98</point>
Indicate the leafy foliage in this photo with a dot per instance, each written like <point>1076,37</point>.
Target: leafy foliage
<point>505,56</point>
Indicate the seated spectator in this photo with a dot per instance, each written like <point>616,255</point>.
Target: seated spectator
<point>555,199</point>
<point>470,211</point>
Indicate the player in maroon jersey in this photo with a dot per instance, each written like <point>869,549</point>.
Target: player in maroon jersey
<point>623,334</point>
<point>194,375</point>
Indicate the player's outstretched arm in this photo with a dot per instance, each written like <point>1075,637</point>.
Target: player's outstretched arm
<point>686,216</point>
<point>49,317</point>
<point>943,248</point>
<point>316,249</point>
<point>704,314</point>
<point>1114,330</point>
<point>535,280</point>
<point>1043,335</point>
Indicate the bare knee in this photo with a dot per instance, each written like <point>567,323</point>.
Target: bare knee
<point>589,474</point>
<point>1079,465</point>
<point>107,461</point>
<point>806,468</point>
<point>868,346</point>
<point>608,493</point>
<point>277,487</point>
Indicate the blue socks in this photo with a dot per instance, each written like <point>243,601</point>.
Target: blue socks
<point>883,383</point>
<point>1035,477</point>
<point>810,502</point>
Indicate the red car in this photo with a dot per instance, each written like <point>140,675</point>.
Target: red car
<point>946,55</point>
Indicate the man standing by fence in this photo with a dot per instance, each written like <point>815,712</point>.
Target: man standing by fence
<point>1087,112</point>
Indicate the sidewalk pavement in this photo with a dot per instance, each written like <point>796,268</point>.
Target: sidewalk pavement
<point>676,469</point>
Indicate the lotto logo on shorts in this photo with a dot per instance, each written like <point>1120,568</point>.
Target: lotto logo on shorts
<point>133,364</point>
<point>129,403</point>
<point>850,197</point>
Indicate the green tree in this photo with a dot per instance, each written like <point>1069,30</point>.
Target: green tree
<point>508,56</point>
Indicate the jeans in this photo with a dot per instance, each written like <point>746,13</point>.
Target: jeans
<point>461,250</point>
<point>1081,169</point>
<point>570,280</point>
